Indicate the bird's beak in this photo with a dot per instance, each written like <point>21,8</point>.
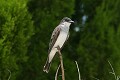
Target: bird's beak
<point>71,21</point>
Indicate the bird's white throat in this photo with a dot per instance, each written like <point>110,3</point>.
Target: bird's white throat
<point>67,24</point>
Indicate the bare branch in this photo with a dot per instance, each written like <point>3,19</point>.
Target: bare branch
<point>9,75</point>
<point>78,70</point>
<point>95,78</point>
<point>57,72</point>
<point>61,63</point>
<point>113,72</point>
<point>118,77</point>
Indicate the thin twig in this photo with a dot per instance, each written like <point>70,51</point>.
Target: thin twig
<point>95,78</point>
<point>57,72</point>
<point>113,72</point>
<point>9,75</point>
<point>78,70</point>
<point>118,77</point>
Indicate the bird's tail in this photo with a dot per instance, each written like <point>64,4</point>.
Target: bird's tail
<point>49,60</point>
<point>47,66</point>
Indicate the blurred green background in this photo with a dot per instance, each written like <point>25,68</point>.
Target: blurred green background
<point>26,27</point>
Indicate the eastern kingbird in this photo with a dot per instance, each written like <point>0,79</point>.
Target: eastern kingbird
<point>58,38</point>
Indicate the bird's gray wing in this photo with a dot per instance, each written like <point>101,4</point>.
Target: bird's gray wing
<point>54,37</point>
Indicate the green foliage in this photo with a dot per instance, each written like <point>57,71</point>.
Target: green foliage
<point>46,15</point>
<point>16,29</point>
<point>26,27</point>
<point>99,42</point>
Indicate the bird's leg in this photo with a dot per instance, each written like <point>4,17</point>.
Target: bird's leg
<point>58,48</point>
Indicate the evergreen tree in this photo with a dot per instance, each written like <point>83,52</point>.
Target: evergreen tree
<point>23,49</point>
<point>16,29</point>
<point>46,15</point>
<point>99,43</point>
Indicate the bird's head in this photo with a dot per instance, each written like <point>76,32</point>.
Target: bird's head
<point>66,19</point>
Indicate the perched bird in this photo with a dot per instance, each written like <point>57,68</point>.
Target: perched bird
<point>58,38</point>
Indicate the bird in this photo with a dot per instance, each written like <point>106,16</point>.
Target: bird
<point>58,39</point>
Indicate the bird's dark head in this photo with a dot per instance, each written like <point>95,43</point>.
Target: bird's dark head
<point>66,19</point>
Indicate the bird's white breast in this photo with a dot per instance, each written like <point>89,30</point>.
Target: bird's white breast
<point>63,34</point>
<point>61,39</point>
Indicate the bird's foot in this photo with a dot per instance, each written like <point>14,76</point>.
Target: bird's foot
<point>58,47</point>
